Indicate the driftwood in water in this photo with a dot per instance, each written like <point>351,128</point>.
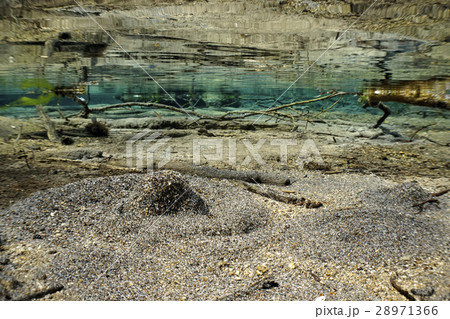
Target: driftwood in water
<point>49,125</point>
<point>280,112</point>
<point>202,171</point>
<point>386,110</point>
<point>246,176</point>
<point>280,197</point>
<point>150,104</point>
<point>74,92</point>
<point>430,93</point>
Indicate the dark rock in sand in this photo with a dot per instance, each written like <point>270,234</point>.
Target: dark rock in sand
<point>423,292</point>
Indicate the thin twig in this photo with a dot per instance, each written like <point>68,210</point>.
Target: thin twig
<point>157,105</point>
<point>429,139</point>
<point>274,113</point>
<point>327,109</point>
<point>440,193</point>
<point>279,197</point>
<point>429,200</point>
<point>420,129</point>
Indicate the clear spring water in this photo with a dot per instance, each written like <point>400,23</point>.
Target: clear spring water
<point>209,77</point>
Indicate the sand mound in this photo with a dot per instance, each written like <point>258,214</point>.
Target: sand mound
<point>164,236</point>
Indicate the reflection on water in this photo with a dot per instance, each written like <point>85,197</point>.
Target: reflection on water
<point>213,76</point>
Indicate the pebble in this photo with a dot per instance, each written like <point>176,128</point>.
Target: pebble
<point>423,292</point>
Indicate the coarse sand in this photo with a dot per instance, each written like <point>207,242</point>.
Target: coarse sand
<point>167,236</point>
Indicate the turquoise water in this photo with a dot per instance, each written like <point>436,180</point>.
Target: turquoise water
<point>207,77</point>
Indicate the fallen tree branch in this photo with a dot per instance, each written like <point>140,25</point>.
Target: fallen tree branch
<point>327,109</point>
<point>429,93</point>
<point>276,113</point>
<point>431,199</point>
<point>184,168</point>
<point>387,112</point>
<point>420,129</point>
<point>156,105</point>
<point>440,193</point>
<point>309,101</point>
<point>269,193</point>
<point>48,124</point>
<point>246,176</point>
<point>432,141</point>
<point>280,197</point>
<point>402,291</point>
<point>41,293</point>
<point>373,97</point>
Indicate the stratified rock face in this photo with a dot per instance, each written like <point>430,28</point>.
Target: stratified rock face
<point>404,16</point>
<point>274,25</point>
<point>383,9</point>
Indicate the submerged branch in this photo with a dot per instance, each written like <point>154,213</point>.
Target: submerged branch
<point>285,112</point>
<point>429,93</point>
<point>156,105</point>
<point>245,176</point>
<point>272,194</point>
<point>386,112</point>
<point>41,293</point>
<point>48,124</point>
<point>405,293</point>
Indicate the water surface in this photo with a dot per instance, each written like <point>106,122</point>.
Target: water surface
<point>256,71</point>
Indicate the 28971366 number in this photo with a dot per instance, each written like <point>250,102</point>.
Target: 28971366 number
<point>407,310</point>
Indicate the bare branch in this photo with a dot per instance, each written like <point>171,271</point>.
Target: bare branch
<point>285,112</point>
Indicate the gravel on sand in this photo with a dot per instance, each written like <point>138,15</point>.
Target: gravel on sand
<point>165,236</point>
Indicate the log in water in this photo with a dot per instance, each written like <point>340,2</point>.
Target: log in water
<point>431,93</point>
